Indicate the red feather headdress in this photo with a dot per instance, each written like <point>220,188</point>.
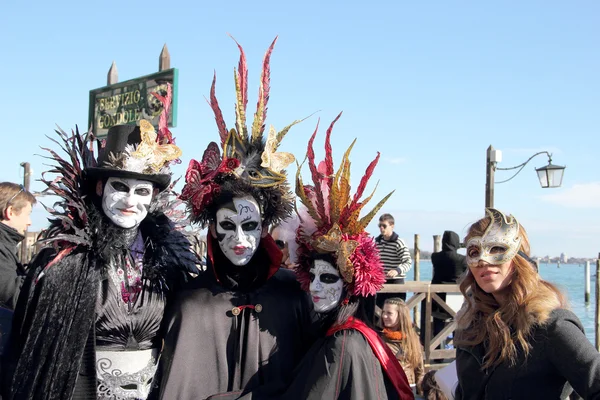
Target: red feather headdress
<point>248,163</point>
<point>331,223</point>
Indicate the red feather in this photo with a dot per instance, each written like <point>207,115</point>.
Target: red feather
<point>242,74</point>
<point>214,104</point>
<point>316,177</point>
<point>264,88</point>
<point>363,182</point>
<point>328,150</point>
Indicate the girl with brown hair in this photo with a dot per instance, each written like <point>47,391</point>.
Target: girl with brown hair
<point>515,337</point>
<point>400,336</point>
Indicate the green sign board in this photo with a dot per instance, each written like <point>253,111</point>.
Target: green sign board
<point>130,101</point>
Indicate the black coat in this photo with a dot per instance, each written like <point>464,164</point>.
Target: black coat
<point>339,367</point>
<point>12,272</point>
<point>560,353</point>
<point>52,350</point>
<point>212,347</point>
<point>448,265</point>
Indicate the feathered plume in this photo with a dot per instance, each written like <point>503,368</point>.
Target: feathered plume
<point>214,104</point>
<point>69,218</point>
<point>258,126</point>
<point>333,225</point>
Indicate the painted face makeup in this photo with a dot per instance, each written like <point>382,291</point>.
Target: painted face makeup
<point>325,286</point>
<point>126,201</point>
<point>239,229</point>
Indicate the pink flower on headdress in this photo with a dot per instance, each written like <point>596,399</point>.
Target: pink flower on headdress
<point>369,276</point>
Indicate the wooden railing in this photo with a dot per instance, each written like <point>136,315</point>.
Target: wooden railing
<point>424,294</point>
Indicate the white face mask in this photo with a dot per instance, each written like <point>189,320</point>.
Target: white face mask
<point>325,286</point>
<point>126,201</point>
<point>239,231</point>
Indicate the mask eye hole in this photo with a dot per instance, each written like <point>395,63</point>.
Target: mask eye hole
<point>120,187</point>
<point>250,226</point>
<point>473,252</point>
<point>226,225</point>
<point>131,386</point>
<point>312,276</point>
<point>329,278</point>
<point>498,250</point>
<point>143,192</point>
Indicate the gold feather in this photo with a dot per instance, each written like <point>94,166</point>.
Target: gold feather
<point>239,107</point>
<point>336,200</point>
<point>353,227</point>
<point>256,124</point>
<point>303,199</point>
<point>362,224</point>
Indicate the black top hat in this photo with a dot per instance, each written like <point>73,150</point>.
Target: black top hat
<point>112,158</point>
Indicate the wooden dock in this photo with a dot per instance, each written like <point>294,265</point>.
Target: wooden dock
<point>424,295</point>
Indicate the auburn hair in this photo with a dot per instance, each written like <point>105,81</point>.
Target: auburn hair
<point>505,329</point>
<point>410,343</point>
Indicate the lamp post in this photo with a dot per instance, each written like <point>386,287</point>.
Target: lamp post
<point>550,176</point>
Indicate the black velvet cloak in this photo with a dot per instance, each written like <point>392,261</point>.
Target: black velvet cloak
<point>52,352</point>
<point>211,348</point>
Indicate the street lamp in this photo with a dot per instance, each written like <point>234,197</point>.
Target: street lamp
<point>550,176</point>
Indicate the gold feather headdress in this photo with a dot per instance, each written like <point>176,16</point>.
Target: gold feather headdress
<point>336,226</point>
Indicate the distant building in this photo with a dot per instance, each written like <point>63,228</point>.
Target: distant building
<point>563,258</point>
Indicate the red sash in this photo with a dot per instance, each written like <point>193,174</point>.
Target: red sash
<point>388,361</point>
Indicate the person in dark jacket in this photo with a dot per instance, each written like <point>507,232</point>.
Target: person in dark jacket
<point>244,321</point>
<point>16,204</point>
<point>87,323</point>
<point>515,337</point>
<point>448,267</point>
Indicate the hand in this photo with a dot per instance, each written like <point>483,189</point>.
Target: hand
<point>392,273</point>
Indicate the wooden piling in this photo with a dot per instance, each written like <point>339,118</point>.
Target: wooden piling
<point>417,259</point>
<point>598,303</point>
<point>164,60</point>
<point>113,75</point>
<point>587,283</point>
<point>26,182</point>
<point>437,243</point>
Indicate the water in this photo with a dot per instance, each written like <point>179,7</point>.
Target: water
<point>570,278</point>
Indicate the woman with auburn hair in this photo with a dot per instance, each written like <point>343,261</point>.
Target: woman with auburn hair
<point>515,337</point>
<point>400,336</point>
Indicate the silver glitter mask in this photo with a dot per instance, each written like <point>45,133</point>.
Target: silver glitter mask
<point>499,243</point>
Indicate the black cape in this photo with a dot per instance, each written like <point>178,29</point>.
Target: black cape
<point>53,340</point>
<point>212,349</point>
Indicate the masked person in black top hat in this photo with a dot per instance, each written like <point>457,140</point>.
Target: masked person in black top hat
<point>87,324</point>
<point>244,321</point>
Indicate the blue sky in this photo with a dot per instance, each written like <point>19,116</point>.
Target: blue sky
<point>428,84</point>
